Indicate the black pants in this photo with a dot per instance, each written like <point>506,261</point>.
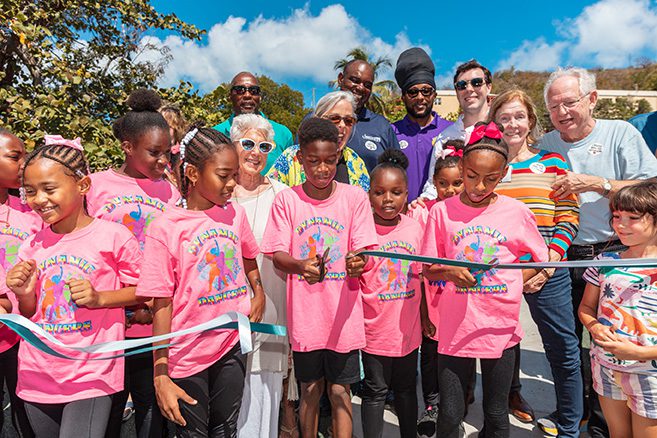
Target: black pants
<point>8,374</point>
<point>454,373</point>
<point>383,373</point>
<point>597,426</point>
<point>149,421</point>
<point>85,418</point>
<point>429,371</point>
<point>218,392</point>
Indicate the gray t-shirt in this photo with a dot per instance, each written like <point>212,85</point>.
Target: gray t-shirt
<point>614,150</point>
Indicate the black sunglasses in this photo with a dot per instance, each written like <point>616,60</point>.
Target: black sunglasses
<point>241,89</point>
<point>463,84</point>
<point>426,91</point>
<point>264,147</point>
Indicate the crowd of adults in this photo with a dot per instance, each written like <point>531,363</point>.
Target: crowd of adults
<point>594,158</point>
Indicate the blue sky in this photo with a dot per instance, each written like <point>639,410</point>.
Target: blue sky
<point>297,42</point>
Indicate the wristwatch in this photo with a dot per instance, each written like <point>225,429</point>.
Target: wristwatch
<point>606,186</point>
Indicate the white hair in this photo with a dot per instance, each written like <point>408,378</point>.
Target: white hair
<point>328,101</point>
<point>246,122</point>
<point>585,79</point>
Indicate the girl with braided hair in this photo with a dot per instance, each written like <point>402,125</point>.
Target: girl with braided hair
<point>74,279</point>
<point>198,260</point>
<point>479,310</point>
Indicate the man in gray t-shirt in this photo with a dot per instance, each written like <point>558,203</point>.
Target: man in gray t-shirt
<point>604,155</point>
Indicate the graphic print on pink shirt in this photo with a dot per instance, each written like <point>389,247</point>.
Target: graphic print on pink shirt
<point>55,301</point>
<point>219,267</point>
<point>318,242</point>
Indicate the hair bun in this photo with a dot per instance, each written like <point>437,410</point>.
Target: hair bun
<point>395,157</point>
<point>143,99</point>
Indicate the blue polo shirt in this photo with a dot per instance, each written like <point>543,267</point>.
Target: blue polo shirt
<point>282,138</point>
<point>647,125</point>
<point>371,136</point>
<point>418,143</point>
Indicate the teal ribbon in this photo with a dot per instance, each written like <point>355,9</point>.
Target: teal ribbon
<point>624,263</point>
<point>33,334</point>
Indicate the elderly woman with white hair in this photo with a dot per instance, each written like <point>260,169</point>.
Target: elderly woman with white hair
<point>267,365</point>
<point>339,107</point>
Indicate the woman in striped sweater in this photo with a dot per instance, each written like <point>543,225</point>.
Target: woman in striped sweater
<point>547,292</point>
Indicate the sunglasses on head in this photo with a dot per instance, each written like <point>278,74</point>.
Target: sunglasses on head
<point>335,119</point>
<point>426,91</point>
<point>241,89</point>
<point>475,82</point>
<point>264,147</point>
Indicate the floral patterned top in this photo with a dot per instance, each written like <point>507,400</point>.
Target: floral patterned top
<point>288,170</point>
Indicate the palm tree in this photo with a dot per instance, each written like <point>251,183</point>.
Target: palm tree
<point>387,88</point>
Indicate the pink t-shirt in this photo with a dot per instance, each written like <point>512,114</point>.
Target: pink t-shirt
<point>195,257</point>
<point>432,288</point>
<point>17,223</point>
<point>108,256</point>
<point>392,294</point>
<point>134,203</point>
<point>326,315</point>
<point>482,321</point>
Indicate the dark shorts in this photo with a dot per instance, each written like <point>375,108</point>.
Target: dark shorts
<point>340,368</point>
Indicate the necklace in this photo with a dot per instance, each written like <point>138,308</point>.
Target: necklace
<point>259,191</point>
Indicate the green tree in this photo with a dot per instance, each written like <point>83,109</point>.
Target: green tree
<point>620,108</point>
<point>66,67</point>
<point>282,104</point>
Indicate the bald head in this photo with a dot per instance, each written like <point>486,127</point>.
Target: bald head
<point>358,78</point>
<point>245,93</point>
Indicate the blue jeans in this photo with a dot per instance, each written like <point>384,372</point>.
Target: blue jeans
<point>552,311</point>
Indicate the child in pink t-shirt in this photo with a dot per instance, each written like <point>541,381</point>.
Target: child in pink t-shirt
<point>73,278</point>
<point>134,195</point>
<point>392,297</point>
<point>448,181</point>
<point>314,233</point>
<point>479,311</point>
<point>197,261</point>
<point>17,223</point>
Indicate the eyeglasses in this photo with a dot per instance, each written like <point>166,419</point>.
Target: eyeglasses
<point>426,92</point>
<point>264,147</point>
<point>568,105</point>
<point>254,90</point>
<point>463,84</point>
<point>336,118</point>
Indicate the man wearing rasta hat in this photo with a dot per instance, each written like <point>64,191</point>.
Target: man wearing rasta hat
<point>418,131</point>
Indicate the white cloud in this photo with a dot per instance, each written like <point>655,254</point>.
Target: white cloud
<point>609,33</point>
<point>299,46</point>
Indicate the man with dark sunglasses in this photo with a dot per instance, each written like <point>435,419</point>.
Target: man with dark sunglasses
<point>372,134</point>
<point>245,96</point>
<point>472,83</point>
<point>419,130</point>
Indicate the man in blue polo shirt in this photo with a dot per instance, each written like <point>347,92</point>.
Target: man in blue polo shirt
<point>373,133</point>
<point>647,125</point>
<point>245,96</point>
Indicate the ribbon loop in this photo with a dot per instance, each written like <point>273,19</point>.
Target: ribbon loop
<point>59,140</point>
<point>491,131</point>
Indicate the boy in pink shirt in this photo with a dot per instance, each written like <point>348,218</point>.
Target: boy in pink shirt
<point>314,232</point>
<point>479,311</point>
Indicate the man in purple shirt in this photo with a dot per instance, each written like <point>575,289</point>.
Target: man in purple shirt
<point>418,131</point>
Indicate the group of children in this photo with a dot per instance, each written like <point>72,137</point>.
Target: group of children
<point>123,253</point>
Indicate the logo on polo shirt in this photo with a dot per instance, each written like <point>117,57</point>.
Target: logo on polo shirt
<point>595,149</point>
<point>403,144</point>
<point>370,145</point>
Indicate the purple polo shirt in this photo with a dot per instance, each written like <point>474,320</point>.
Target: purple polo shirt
<point>417,143</point>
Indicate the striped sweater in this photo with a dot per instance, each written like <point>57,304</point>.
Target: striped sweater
<point>531,182</point>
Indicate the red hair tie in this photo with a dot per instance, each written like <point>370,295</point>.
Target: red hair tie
<point>490,131</point>
<point>450,151</point>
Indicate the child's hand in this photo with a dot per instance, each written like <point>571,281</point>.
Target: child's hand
<point>310,270</point>
<point>428,329</point>
<point>21,279</point>
<point>355,263</point>
<point>536,283</point>
<point>603,333</point>
<point>84,294</point>
<point>461,277</point>
<point>168,394</point>
<point>622,348</point>
<point>417,202</point>
<point>257,308</point>
<point>142,316</point>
